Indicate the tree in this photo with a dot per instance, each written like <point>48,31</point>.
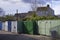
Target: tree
<point>10,17</point>
<point>34,5</point>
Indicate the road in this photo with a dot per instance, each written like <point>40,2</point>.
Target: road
<point>12,36</point>
<point>19,37</point>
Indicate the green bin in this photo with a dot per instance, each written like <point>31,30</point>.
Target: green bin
<point>20,26</point>
<point>28,27</point>
<point>35,28</point>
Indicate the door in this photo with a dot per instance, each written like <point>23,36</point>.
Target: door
<point>9,26</point>
<point>0,25</point>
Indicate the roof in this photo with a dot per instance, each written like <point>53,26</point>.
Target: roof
<point>45,8</point>
<point>42,8</point>
<point>22,15</point>
<point>31,11</point>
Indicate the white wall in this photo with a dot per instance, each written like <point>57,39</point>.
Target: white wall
<point>5,26</point>
<point>14,26</point>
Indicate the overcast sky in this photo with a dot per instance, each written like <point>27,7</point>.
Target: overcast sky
<point>10,6</point>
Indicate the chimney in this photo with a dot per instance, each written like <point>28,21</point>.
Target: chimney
<point>48,5</point>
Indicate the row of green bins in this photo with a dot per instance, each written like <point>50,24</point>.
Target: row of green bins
<point>20,26</point>
<point>27,27</point>
<point>31,27</point>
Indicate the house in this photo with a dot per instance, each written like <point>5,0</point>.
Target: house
<point>45,11</point>
<point>23,15</point>
<point>58,16</point>
<point>41,11</point>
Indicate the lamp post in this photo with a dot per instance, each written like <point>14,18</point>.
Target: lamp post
<point>17,14</point>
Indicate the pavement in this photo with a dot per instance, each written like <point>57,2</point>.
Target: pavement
<point>12,36</point>
<point>6,32</point>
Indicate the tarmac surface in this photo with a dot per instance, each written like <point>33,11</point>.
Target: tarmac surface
<point>13,36</point>
<point>19,37</point>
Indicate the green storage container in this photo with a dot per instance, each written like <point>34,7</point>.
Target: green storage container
<point>45,26</point>
<point>41,27</point>
<point>28,27</point>
<point>35,28</point>
<point>55,25</point>
<point>20,26</point>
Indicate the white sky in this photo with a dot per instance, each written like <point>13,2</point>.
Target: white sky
<point>10,6</point>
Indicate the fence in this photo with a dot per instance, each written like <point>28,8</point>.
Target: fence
<point>43,27</point>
